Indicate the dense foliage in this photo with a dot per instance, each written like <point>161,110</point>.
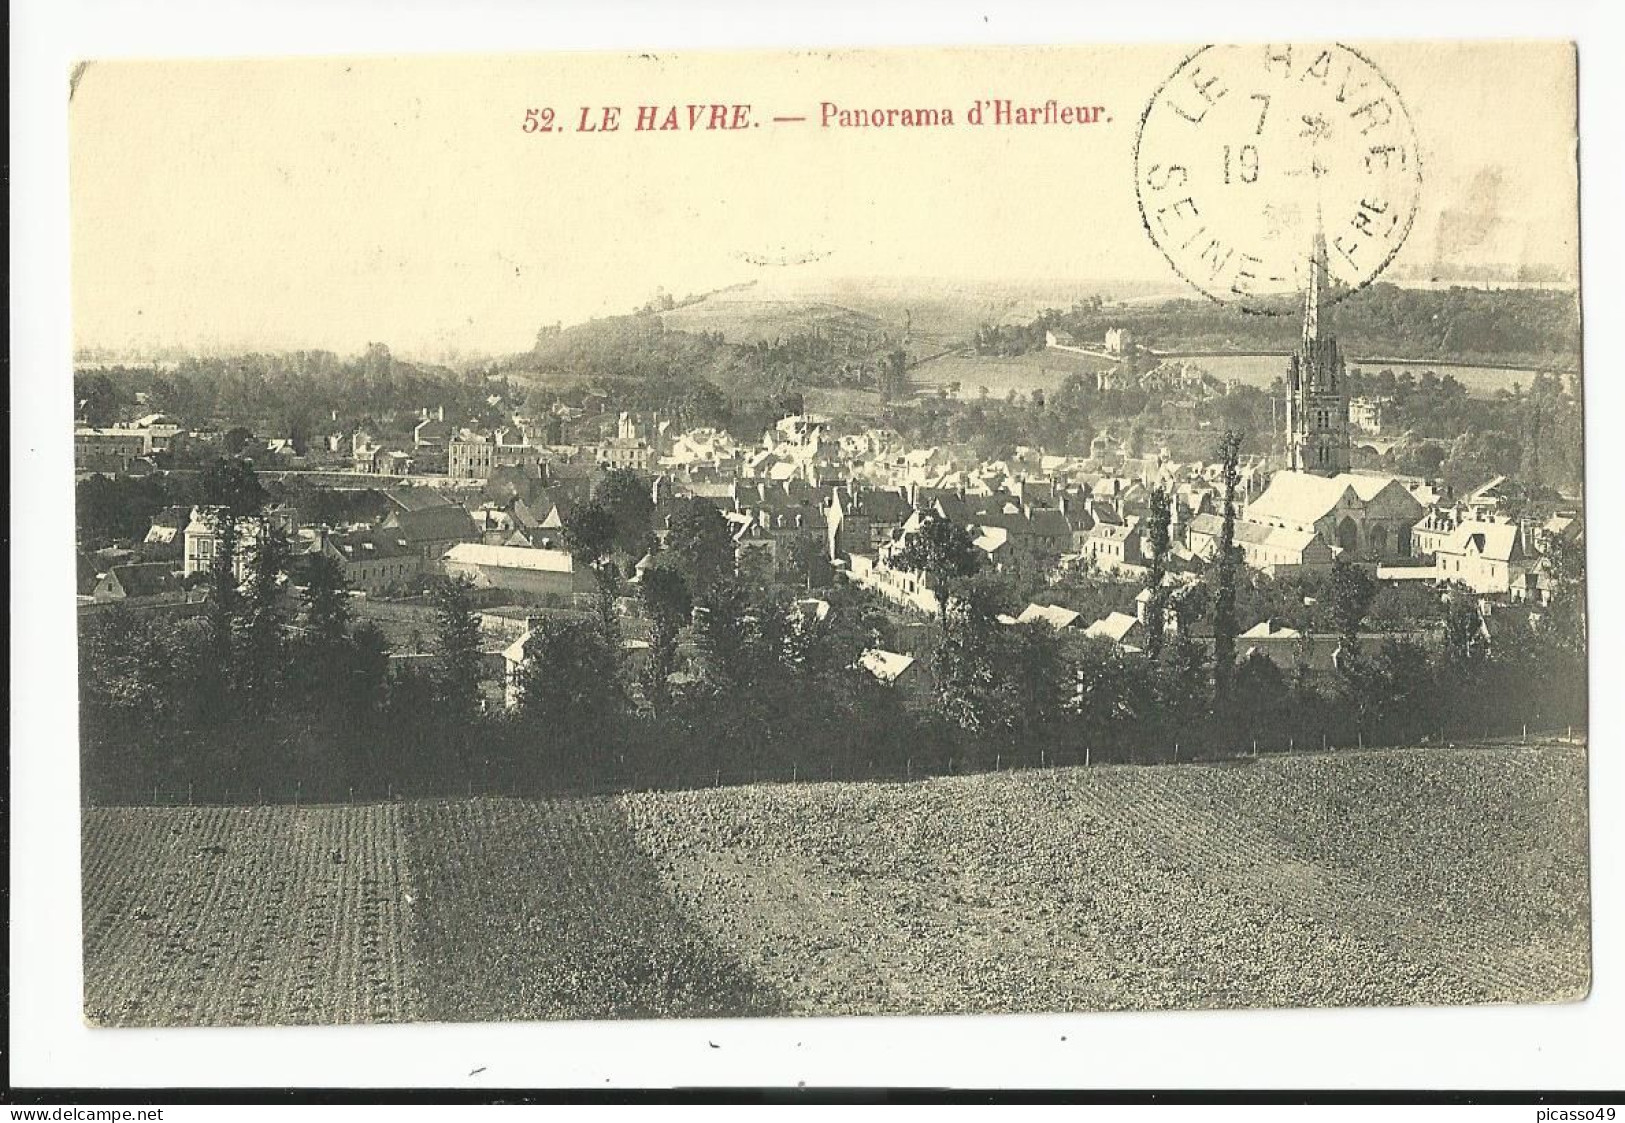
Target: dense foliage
<point>1514,326</point>
<point>283,692</point>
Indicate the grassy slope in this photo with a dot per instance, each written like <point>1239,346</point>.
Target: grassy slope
<point>1432,877</point>
<point>1378,879</point>
<point>545,909</point>
<point>750,321</point>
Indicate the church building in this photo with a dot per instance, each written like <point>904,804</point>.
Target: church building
<point>1368,515</point>
<point>1317,404</point>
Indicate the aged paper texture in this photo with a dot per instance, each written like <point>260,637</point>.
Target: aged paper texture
<point>1015,530</point>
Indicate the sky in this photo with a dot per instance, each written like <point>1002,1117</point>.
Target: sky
<point>328,203</point>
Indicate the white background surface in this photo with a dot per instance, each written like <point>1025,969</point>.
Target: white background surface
<point>1513,1047</point>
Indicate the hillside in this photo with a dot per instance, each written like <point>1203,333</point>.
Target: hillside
<point>1422,876</point>
<point>1427,877</point>
<point>969,372</point>
<point>936,312</point>
<point>752,321</point>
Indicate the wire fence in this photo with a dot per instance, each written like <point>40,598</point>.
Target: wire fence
<point>495,780</point>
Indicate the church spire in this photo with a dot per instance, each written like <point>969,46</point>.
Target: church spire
<point>1317,304</point>
<point>1317,408</point>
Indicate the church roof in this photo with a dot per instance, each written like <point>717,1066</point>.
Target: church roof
<point>1369,485</point>
<point>1299,498</point>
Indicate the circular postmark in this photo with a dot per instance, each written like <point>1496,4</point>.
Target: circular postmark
<point>1247,153</point>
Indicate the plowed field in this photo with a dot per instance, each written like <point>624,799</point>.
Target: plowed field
<point>1436,876</point>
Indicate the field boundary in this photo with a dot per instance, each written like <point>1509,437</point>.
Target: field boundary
<point>490,783</point>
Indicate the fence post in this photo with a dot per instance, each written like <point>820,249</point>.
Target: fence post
<point>155,795</point>
<point>1255,748</point>
<point>719,778</point>
<point>1042,759</point>
<point>352,795</point>
<point>1086,754</point>
<point>998,759</point>
<point>795,770</point>
<point>1291,744</point>
<point>1324,744</point>
<point>1571,733</point>
<point>909,768</point>
<point>1360,736</point>
<point>1176,752</point>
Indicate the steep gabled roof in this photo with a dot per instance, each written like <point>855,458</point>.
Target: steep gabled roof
<point>145,579</point>
<point>1496,541</point>
<point>377,544</point>
<point>1264,629</point>
<point>991,538</point>
<point>1052,614</point>
<point>1114,532</point>
<point>433,524</point>
<point>174,518</point>
<point>417,498</point>
<point>1299,498</point>
<point>1114,626</point>
<point>1050,522</point>
<point>876,504</point>
<point>511,557</point>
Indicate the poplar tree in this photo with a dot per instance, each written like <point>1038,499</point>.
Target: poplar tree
<point>1157,544</point>
<point>457,650</point>
<point>1224,576</point>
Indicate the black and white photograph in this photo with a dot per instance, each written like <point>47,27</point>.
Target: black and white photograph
<point>789,534</point>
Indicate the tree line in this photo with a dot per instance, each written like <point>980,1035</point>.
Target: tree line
<point>696,665</point>
<point>1535,327</point>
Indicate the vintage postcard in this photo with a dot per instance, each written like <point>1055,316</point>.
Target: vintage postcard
<point>854,532</point>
